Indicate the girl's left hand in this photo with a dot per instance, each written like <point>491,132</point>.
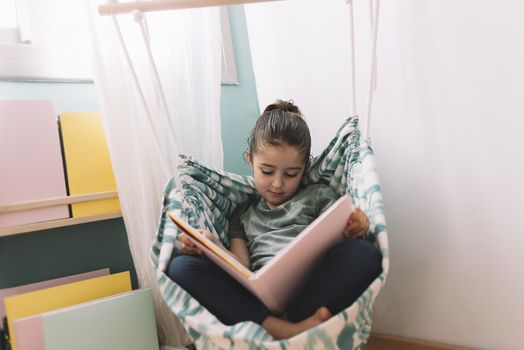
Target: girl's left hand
<point>357,225</point>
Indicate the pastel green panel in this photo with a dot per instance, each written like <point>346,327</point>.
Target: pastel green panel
<point>125,321</point>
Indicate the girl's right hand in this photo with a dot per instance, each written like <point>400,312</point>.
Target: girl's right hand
<point>188,247</point>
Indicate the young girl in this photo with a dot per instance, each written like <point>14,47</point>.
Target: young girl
<point>279,153</point>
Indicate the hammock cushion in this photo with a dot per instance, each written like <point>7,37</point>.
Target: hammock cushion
<point>206,197</point>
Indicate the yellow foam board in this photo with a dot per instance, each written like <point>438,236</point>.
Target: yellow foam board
<point>87,160</point>
<point>33,303</point>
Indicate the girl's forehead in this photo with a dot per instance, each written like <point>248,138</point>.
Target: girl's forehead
<point>281,155</point>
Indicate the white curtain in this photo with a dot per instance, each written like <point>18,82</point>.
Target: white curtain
<point>186,46</point>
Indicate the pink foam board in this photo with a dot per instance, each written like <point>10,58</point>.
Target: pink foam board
<point>29,333</point>
<point>31,166</point>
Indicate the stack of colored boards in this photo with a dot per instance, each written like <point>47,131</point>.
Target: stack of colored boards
<point>79,312</point>
<point>31,166</point>
<point>125,321</point>
<point>4,293</point>
<point>87,161</point>
<point>7,292</point>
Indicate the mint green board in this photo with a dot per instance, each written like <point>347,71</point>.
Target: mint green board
<point>125,321</point>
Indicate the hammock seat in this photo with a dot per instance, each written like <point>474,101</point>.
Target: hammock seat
<point>206,197</point>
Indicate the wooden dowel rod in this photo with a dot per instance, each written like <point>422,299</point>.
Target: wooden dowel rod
<point>162,5</point>
<point>45,225</point>
<point>51,202</point>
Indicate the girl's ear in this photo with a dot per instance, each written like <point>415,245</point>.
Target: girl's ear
<point>247,157</point>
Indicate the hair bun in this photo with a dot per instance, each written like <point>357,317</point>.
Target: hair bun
<point>284,106</point>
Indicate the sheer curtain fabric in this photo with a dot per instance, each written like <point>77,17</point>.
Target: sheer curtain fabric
<point>186,46</point>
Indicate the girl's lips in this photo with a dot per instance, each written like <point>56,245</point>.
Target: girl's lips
<point>276,194</point>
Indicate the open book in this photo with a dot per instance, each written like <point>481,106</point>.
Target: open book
<point>276,281</point>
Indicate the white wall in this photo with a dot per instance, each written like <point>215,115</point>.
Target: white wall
<point>447,130</point>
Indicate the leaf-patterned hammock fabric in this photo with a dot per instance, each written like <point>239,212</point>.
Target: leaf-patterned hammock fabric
<point>206,197</point>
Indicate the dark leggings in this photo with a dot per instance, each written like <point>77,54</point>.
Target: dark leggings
<point>339,279</point>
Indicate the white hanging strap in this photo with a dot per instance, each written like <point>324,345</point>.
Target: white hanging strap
<point>371,26</point>
<point>371,18</point>
<point>142,97</point>
<point>158,83</point>
<point>352,46</point>
<point>373,69</point>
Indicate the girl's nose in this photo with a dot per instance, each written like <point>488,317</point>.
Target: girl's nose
<point>277,182</point>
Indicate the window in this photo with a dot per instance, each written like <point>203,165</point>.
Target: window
<point>8,14</point>
<point>9,32</point>
<point>45,40</point>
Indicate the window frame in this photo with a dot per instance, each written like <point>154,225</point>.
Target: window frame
<point>30,52</point>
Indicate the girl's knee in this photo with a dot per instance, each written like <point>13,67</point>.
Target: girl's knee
<point>362,253</point>
<point>183,268</point>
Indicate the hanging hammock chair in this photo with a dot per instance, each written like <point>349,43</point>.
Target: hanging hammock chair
<point>206,197</point>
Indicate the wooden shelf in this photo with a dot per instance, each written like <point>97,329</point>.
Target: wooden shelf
<point>51,202</point>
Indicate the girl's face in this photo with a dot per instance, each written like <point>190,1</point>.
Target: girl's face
<point>277,170</point>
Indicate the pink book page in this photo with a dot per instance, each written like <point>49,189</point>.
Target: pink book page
<point>279,278</point>
<point>31,165</point>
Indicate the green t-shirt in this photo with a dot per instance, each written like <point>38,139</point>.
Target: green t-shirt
<point>266,231</point>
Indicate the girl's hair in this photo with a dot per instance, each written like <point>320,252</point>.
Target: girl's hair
<point>281,123</point>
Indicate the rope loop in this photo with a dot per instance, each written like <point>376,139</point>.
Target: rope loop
<point>138,15</point>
